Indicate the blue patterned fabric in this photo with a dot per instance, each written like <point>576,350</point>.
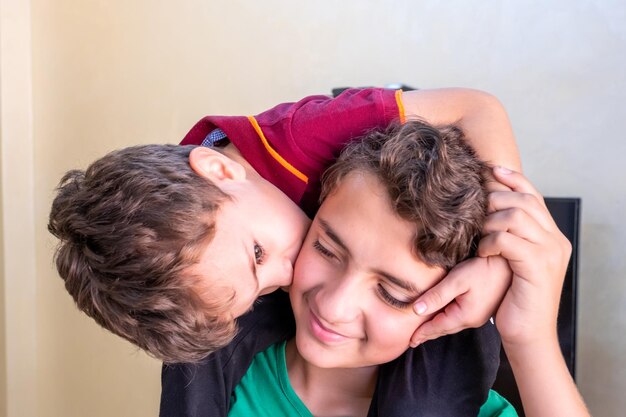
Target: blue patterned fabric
<point>213,137</point>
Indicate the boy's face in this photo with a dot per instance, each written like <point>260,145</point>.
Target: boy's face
<point>258,236</point>
<point>356,279</point>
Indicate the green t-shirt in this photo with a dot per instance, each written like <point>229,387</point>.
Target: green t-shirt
<point>265,391</point>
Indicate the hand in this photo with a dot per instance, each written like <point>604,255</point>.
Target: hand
<point>521,230</point>
<point>470,293</point>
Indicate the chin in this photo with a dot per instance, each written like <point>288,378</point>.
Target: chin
<point>319,356</point>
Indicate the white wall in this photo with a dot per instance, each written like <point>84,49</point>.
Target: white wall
<point>109,74</point>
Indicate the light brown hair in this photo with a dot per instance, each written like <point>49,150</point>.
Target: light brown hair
<point>433,179</point>
<point>130,227</point>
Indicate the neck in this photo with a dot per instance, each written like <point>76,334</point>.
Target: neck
<point>330,391</point>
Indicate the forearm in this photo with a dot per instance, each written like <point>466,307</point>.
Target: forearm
<point>544,382</point>
<point>481,116</point>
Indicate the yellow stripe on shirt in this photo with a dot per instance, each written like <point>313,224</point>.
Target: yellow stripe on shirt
<point>275,154</point>
<point>400,106</point>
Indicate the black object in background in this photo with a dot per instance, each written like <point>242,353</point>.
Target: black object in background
<point>395,86</point>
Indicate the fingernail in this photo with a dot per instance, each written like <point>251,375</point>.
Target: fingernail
<point>420,307</point>
<point>503,170</point>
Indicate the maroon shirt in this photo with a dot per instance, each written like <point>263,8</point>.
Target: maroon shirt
<point>292,144</point>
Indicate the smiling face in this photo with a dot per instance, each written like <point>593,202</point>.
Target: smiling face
<point>356,278</point>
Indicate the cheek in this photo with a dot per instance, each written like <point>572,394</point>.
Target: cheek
<point>291,218</point>
<point>310,269</point>
<point>389,334</point>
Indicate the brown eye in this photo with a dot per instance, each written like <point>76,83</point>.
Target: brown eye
<point>259,253</point>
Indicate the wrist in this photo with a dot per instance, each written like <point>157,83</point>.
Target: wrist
<point>530,350</point>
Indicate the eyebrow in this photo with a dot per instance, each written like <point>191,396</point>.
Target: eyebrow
<point>406,285</point>
<point>401,283</point>
<point>332,235</point>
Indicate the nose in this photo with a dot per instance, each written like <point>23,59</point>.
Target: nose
<point>285,272</point>
<point>277,273</point>
<point>339,300</point>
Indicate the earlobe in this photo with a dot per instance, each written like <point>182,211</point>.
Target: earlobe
<point>213,165</point>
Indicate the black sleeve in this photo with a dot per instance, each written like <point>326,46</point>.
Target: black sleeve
<point>204,389</point>
<point>447,377</point>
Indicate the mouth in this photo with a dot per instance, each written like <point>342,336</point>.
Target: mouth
<point>323,333</point>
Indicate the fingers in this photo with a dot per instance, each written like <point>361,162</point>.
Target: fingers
<point>543,260</point>
<point>520,227</point>
<point>465,298</point>
<point>516,182</point>
<point>511,247</point>
<point>493,185</point>
<point>518,222</point>
<point>446,322</point>
<point>502,201</point>
<point>440,295</point>
<point>520,210</point>
<point>529,260</point>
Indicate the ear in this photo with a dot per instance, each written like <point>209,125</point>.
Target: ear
<point>215,166</point>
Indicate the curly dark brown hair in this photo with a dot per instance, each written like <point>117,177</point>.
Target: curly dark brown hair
<point>130,227</point>
<point>433,179</point>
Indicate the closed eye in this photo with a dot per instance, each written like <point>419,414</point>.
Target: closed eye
<point>323,250</point>
<point>391,300</point>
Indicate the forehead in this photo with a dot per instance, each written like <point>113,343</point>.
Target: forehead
<point>359,199</point>
<point>360,212</point>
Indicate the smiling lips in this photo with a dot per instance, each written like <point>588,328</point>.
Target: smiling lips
<point>323,333</point>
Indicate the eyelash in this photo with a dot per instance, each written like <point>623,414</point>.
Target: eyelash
<point>388,298</point>
<point>392,301</point>
<point>324,251</point>
<point>260,256</point>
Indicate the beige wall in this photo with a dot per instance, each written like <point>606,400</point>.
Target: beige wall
<point>111,74</point>
<point>18,230</point>
<point>3,351</point>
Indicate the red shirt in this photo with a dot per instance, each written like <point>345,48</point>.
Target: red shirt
<point>292,144</point>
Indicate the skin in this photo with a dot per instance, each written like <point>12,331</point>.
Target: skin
<point>356,278</point>
<point>468,296</point>
<point>260,229</point>
<point>345,328</point>
<point>459,301</point>
<point>521,230</point>
<point>355,281</point>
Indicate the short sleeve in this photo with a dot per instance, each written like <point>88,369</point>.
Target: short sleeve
<point>318,127</point>
<point>497,406</point>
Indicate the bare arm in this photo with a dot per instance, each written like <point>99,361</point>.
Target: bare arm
<point>481,116</point>
<point>521,229</point>
<point>467,297</point>
<point>545,384</point>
